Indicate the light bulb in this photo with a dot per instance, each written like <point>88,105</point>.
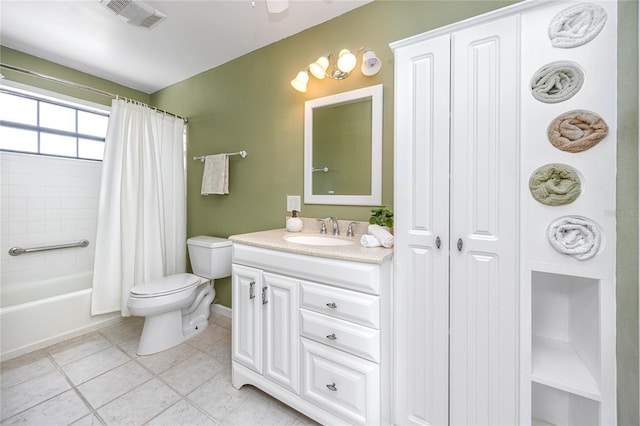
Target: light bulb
<point>319,67</point>
<point>300,82</point>
<point>346,61</point>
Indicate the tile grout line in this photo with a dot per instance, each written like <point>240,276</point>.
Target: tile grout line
<point>75,389</point>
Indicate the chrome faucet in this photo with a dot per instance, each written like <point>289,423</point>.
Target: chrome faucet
<point>350,232</point>
<point>336,228</point>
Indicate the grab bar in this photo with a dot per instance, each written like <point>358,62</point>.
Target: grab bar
<point>16,251</point>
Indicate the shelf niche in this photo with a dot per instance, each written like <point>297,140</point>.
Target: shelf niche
<point>566,364</point>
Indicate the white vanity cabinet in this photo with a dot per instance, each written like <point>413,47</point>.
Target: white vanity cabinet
<point>314,332</point>
<point>265,332</point>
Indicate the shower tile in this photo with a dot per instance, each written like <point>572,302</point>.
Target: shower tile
<point>164,360</point>
<point>139,405</point>
<point>92,366</point>
<point>182,413</point>
<point>114,383</point>
<point>192,372</point>
<point>80,347</point>
<point>23,368</point>
<point>62,409</point>
<point>16,399</point>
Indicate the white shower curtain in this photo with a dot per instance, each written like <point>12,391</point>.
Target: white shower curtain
<point>141,231</point>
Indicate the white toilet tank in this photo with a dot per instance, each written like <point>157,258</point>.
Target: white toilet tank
<point>210,256</point>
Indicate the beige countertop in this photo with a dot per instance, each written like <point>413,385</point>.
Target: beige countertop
<point>275,239</point>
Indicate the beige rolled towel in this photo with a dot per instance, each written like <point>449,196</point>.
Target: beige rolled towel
<point>577,131</point>
<point>215,176</point>
<point>384,236</point>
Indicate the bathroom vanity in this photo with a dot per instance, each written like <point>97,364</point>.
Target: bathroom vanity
<point>312,324</point>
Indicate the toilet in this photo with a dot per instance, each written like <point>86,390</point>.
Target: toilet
<point>177,307</point>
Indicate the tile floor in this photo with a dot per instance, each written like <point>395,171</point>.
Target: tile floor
<point>97,379</point>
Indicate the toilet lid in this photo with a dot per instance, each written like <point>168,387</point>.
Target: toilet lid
<point>166,285</point>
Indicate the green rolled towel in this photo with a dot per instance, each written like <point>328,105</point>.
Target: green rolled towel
<point>555,184</point>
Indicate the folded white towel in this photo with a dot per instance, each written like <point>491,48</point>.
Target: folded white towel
<point>384,236</point>
<point>215,176</point>
<point>369,241</point>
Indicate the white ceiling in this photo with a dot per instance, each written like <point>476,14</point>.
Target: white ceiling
<point>196,36</point>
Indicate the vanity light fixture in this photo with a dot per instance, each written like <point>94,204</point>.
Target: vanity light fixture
<point>338,67</point>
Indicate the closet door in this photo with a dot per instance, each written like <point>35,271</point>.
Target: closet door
<point>421,311</point>
<point>484,181</point>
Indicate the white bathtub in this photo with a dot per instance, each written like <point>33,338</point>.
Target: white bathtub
<point>38,314</point>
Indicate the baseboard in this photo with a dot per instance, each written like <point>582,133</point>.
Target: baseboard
<point>221,310</point>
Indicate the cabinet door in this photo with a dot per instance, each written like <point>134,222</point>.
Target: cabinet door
<point>421,297</point>
<point>281,363</point>
<point>484,170</point>
<point>247,317</point>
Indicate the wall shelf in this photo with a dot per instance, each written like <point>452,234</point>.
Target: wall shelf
<point>557,364</point>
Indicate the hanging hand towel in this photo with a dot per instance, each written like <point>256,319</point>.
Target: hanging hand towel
<point>215,176</point>
<point>384,236</point>
<point>369,241</point>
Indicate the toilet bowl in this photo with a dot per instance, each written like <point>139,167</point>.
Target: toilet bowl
<point>177,307</point>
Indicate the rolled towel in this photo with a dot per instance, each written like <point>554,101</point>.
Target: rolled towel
<point>577,130</point>
<point>369,241</point>
<point>575,236</point>
<point>557,82</point>
<point>384,236</point>
<point>577,25</point>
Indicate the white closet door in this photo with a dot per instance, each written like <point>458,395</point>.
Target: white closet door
<point>422,198</point>
<point>484,183</point>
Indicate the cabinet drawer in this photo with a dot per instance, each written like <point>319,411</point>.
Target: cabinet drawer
<point>343,384</point>
<point>349,305</point>
<point>353,338</point>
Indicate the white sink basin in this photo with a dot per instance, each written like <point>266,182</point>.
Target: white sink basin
<point>317,240</point>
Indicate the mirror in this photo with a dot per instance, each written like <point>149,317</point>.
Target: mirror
<point>343,148</point>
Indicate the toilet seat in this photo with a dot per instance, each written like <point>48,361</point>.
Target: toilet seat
<point>166,286</point>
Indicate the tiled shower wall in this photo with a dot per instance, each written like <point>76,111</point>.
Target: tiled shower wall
<point>46,201</point>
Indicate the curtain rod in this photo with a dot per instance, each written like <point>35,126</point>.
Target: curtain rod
<point>79,86</point>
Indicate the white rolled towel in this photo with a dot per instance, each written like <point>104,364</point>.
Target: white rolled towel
<point>384,236</point>
<point>369,241</point>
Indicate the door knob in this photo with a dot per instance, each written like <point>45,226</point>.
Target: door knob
<point>459,244</point>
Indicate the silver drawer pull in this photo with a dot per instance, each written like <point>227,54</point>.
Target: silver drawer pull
<point>332,387</point>
<point>332,305</point>
<point>252,294</point>
<point>332,336</point>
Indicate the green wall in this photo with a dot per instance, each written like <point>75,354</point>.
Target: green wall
<point>249,104</point>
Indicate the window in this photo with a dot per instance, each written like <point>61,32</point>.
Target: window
<point>38,125</point>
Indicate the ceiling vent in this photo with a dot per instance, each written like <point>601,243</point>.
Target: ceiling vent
<point>135,12</point>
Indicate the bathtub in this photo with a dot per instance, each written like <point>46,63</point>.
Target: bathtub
<point>38,314</point>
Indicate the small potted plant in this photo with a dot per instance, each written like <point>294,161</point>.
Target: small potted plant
<point>382,216</point>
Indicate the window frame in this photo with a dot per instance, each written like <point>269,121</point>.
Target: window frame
<point>57,99</point>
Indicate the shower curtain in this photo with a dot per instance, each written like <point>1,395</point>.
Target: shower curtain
<point>141,231</point>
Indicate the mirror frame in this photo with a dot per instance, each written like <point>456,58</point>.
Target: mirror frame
<point>375,197</point>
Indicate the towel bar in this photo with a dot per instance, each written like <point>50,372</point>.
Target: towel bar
<point>242,154</point>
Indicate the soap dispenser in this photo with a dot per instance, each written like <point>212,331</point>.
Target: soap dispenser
<point>294,223</point>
